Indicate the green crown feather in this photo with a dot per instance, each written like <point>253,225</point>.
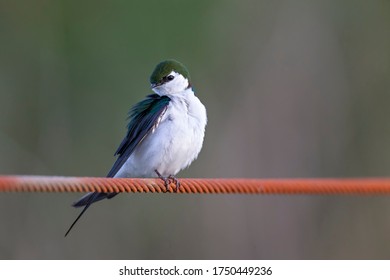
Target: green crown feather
<point>165,67</point>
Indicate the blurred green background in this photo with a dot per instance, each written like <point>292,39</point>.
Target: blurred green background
<point>292,89</point>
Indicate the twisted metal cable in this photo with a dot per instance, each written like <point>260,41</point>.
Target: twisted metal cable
<point>367,186</point>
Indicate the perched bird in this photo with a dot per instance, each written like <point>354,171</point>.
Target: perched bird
<point>165,132</point>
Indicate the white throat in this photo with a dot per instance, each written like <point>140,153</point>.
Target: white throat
<point>177,85</point>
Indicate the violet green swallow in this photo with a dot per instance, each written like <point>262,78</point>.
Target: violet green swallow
<point>165,132</point>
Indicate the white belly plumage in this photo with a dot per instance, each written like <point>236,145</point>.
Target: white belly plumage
<point>175,142</point>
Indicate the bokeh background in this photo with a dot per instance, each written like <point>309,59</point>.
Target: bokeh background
<point>292,89</point>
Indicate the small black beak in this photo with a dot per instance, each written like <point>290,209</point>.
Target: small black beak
<point>155,85</point>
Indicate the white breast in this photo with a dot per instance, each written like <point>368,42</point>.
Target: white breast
<point>174,144</point>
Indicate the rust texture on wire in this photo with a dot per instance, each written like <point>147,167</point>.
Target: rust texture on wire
<point>206,186</point>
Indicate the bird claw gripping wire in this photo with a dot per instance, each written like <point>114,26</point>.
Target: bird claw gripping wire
<point>174,180</point>
<point>168,180</point>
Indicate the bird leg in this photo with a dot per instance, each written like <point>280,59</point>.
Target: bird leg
<point>175,181</point>
<point>168,180</point>
<point>165,179</point>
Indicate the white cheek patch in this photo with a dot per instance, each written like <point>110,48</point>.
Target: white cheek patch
<point>178,84</point>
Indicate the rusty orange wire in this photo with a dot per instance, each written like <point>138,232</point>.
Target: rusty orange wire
<point>366,186</point>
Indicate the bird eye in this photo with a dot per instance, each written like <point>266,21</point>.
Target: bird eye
<point>170,78</point>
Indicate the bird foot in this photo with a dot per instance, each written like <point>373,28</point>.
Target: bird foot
<point>168,180</point>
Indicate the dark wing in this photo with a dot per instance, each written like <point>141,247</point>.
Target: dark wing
<point>144,116</point>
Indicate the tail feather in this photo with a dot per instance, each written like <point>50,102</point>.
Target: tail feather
<point>89,201</point>
<point>86,198</point>
<point>86,201</point>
